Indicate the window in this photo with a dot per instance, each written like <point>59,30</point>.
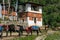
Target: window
<point>34,8</point>
<point>23,7</point>
<point>34,19</point>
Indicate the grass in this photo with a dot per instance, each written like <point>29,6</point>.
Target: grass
<point>55,36</point>
<point>26,38</point>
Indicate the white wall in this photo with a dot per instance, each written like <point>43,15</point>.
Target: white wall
<point>40,9</point>
<point>35,11</point>
<point>31,22</point>
<point>28,7</point>
<point>39,23</point>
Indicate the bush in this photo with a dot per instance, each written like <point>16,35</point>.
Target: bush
<point>55,36</point>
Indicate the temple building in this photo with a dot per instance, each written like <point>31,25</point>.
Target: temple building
<point>30,14</point>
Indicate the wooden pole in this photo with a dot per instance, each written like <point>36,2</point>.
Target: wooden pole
<point>16,9</point>
<point>8,7</point>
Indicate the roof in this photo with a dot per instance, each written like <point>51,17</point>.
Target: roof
<point>30,3</point>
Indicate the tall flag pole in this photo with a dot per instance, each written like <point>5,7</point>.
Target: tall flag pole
<point>16,8</point>
<point>8,7</point>
<point>16,5</point>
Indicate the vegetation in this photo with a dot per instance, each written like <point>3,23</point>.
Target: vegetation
<point>25,38</point>
<point>55,36</point>
<point>51,13</point>
<point>0,20</point>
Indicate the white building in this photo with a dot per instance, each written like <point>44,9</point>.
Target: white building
<point>30,14</point>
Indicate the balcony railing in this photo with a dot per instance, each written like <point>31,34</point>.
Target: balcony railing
<point>15,22</point>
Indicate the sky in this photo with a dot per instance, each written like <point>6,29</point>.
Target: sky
<point>0,11</point>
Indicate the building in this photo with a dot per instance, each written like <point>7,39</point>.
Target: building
<point>11,14</point>
<point>30,14</point>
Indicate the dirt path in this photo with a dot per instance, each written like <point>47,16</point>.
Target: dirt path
<point>9,37</point>
<point>14,35</point>
<point>41,37</point>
